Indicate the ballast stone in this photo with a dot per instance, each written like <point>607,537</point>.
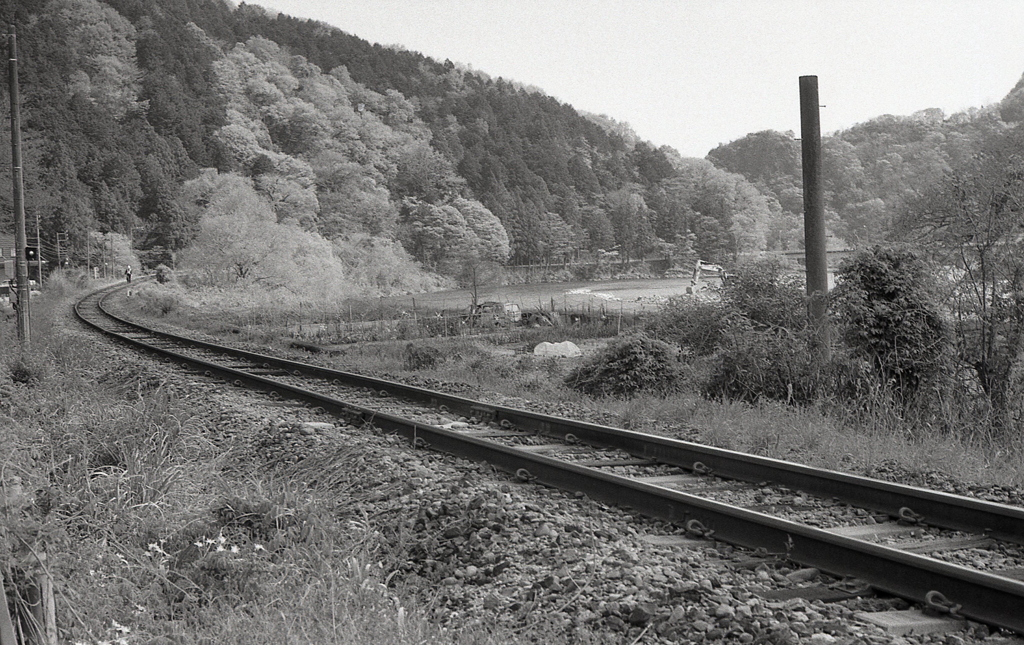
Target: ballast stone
<point>564,349</point>
<point>314,427</point>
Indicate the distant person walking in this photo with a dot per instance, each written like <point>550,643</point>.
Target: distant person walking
<point>128,278</point>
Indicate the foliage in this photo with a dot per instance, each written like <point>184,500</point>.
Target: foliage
<point>164,274</point>
<point>760,294</point>
<point>767,293</point>
<point>335,133</point>
<point>970,223</point>
<point>725,214</point>
<point>888,314</point>
<point>418,357</point>
<point>158,300</point>
<point>871,170</point>
<point>627,367</point>
<point>241,241</point>
<point>378,266</point>
<point>27,368</point>
<point>696,325</point>
<point>126,100</point>
<point>755,364</point>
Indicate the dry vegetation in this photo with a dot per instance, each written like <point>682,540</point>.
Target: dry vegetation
<point>156,526</point>
<point>874,437</point>
<point>151,515</point>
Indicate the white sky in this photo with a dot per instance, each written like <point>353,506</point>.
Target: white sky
<point>695,73</point>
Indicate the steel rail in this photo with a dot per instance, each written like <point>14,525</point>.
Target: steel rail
<point>980,596</point>
<point>935,508</point>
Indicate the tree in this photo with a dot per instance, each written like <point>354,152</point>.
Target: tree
<point>434,234</point>
<point>492,243</point>
<point>561,239</point>
<point>237,231</point>
<point>425,174</point>
<point>103,44</point>
<point>973,223</point>
<point>241,241</point>
<point>727,214</point>
<point>630,218</point>
<point>476,272</point>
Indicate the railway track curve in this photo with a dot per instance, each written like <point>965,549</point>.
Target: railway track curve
<point>901,540</point>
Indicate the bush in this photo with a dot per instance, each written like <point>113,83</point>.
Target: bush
<point>628,367</point>
<point>695,325</point>
<point>164,274</point>
<point>27,369</point>
<point>766,293</point>
<point>157,300</point>
<point>756,364</point>
<point>888,315</point>
<point>422,357</point>
<point>760,292</point>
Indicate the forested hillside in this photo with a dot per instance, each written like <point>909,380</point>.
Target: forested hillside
<point>872,171</point>
<point>156,121</point>
<point>256,146</point>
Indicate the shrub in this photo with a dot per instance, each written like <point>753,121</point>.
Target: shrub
<point>760,292</point>
<point>695,325</point>
<point>27,369</point>
<point>164,274</point>
<point>756,364</point>
<point>627,367</point>
<point>766,293</point>
<point>887,314</point>
<point>422,357</point>
<point>157,300</point>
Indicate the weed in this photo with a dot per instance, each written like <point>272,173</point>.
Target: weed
<point>164,274</point>
<point>628,367</point>
<point>27,368</point>
<point>158,300</point>
<point>418,357</point>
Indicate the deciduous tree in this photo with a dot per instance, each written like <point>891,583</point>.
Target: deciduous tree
<point>973,224</point>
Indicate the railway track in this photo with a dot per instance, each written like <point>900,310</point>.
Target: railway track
<point>955,555</point>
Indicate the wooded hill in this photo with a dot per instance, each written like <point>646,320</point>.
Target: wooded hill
<point>153,118</point>
<point>872,171</point>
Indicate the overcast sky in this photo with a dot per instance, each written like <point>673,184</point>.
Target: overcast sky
<point>696,73</point>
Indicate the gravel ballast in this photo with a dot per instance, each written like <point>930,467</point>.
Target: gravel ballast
<point>481,548</point>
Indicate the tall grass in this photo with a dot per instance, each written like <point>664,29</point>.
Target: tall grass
<point>828,436</point>
<point>108,471</point>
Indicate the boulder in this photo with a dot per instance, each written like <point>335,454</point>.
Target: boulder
<point>564,349</point>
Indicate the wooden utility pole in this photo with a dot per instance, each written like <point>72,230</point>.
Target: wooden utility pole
<point>20,242</point>
<point>814,218</point>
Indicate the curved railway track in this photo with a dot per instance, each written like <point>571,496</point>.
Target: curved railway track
<point>906,541</point>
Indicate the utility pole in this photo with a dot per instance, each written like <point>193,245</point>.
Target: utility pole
<point>21,262</point>
<point>39,253</point>
<point>62,240</point>
<point>814,219</point>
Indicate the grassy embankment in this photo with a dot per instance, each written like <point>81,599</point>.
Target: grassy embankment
<point>154,523</point>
